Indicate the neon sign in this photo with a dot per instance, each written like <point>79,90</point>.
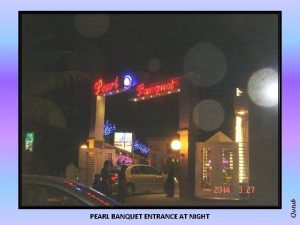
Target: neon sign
<point>138,146</point>
<point>120,84</point>
<point>101,88</point>
<point>29,139</point>
<point>129,80</point>
<point>156,89</point>
<point>109,128</point>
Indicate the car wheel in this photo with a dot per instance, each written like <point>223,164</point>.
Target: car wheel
<point>129,189</point>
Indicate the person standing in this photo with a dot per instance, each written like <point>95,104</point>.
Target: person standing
<point>110,167</point>
<point>105,178</point>
<point>122,184</point>
<point>170,180</point>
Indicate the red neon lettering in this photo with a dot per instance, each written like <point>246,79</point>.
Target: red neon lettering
<point>101,88</point>
<point>140,89</point>
<point>156,88</point>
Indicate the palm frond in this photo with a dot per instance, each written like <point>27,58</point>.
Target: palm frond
<point>41,110</point>
<point>49,81</point>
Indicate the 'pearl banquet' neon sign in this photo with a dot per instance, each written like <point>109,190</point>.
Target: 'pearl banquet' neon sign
<point>120,84</point>
<point>101,88</point>
<point>157,89</point>
<point>127,80</point>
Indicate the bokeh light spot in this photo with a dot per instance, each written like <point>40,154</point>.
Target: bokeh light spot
<point>208,115</point>
<point>263,87</point>
<point>154,65</point>
<point>91,25</point>
<point>204,65</point>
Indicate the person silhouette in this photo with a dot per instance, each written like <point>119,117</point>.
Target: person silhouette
<point>170,180</point>
<point>122,184</point>
<point>105,178</point>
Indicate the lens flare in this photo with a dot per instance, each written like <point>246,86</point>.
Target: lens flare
<point>263,87</point>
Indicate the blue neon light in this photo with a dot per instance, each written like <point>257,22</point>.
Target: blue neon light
<point>138,146</point>
<point>109,128</point>
<point>129,80</point>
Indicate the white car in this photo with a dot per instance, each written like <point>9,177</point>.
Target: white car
<point>145,179</point>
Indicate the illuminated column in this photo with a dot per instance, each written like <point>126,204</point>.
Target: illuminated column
<point>188,98</point>
<point>99,121</point>
<point>184,155</point>
<point>242,135</point>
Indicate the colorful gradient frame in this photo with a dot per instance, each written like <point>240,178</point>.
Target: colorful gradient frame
<point>9,113</point>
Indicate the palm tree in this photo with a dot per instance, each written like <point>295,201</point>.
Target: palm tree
<point>36,107</point>
<point>44,69</point>
<point>39,109</point>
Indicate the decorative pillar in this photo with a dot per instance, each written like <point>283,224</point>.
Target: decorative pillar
<point>99,119</point>
<point>188,98</point>
<point>184,156</point>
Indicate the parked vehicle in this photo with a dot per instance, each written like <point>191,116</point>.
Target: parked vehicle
<point>145,179</point>
<point>139,178</point>
<point>47,191</point>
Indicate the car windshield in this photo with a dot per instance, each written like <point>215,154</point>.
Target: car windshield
<point>91,194</point>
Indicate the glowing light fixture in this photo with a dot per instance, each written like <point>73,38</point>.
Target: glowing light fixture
<point>241,112</point>
<point>175,145</point>
<point>239,92</point>
<point>129,80</point>
<point>239,140</point>
<point>238,129</point>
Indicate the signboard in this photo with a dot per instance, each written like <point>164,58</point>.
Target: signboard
<point>109,128</point>
<point>29,139</point>
<point>120,84</point>
<point>144,92</point>
<point>101,87</point>
<point>123,141</point>
<point>138,146</point>
<point>157,88</point>
<point>124,82</point>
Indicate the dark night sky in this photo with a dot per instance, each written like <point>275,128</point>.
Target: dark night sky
<point>248,41</point>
